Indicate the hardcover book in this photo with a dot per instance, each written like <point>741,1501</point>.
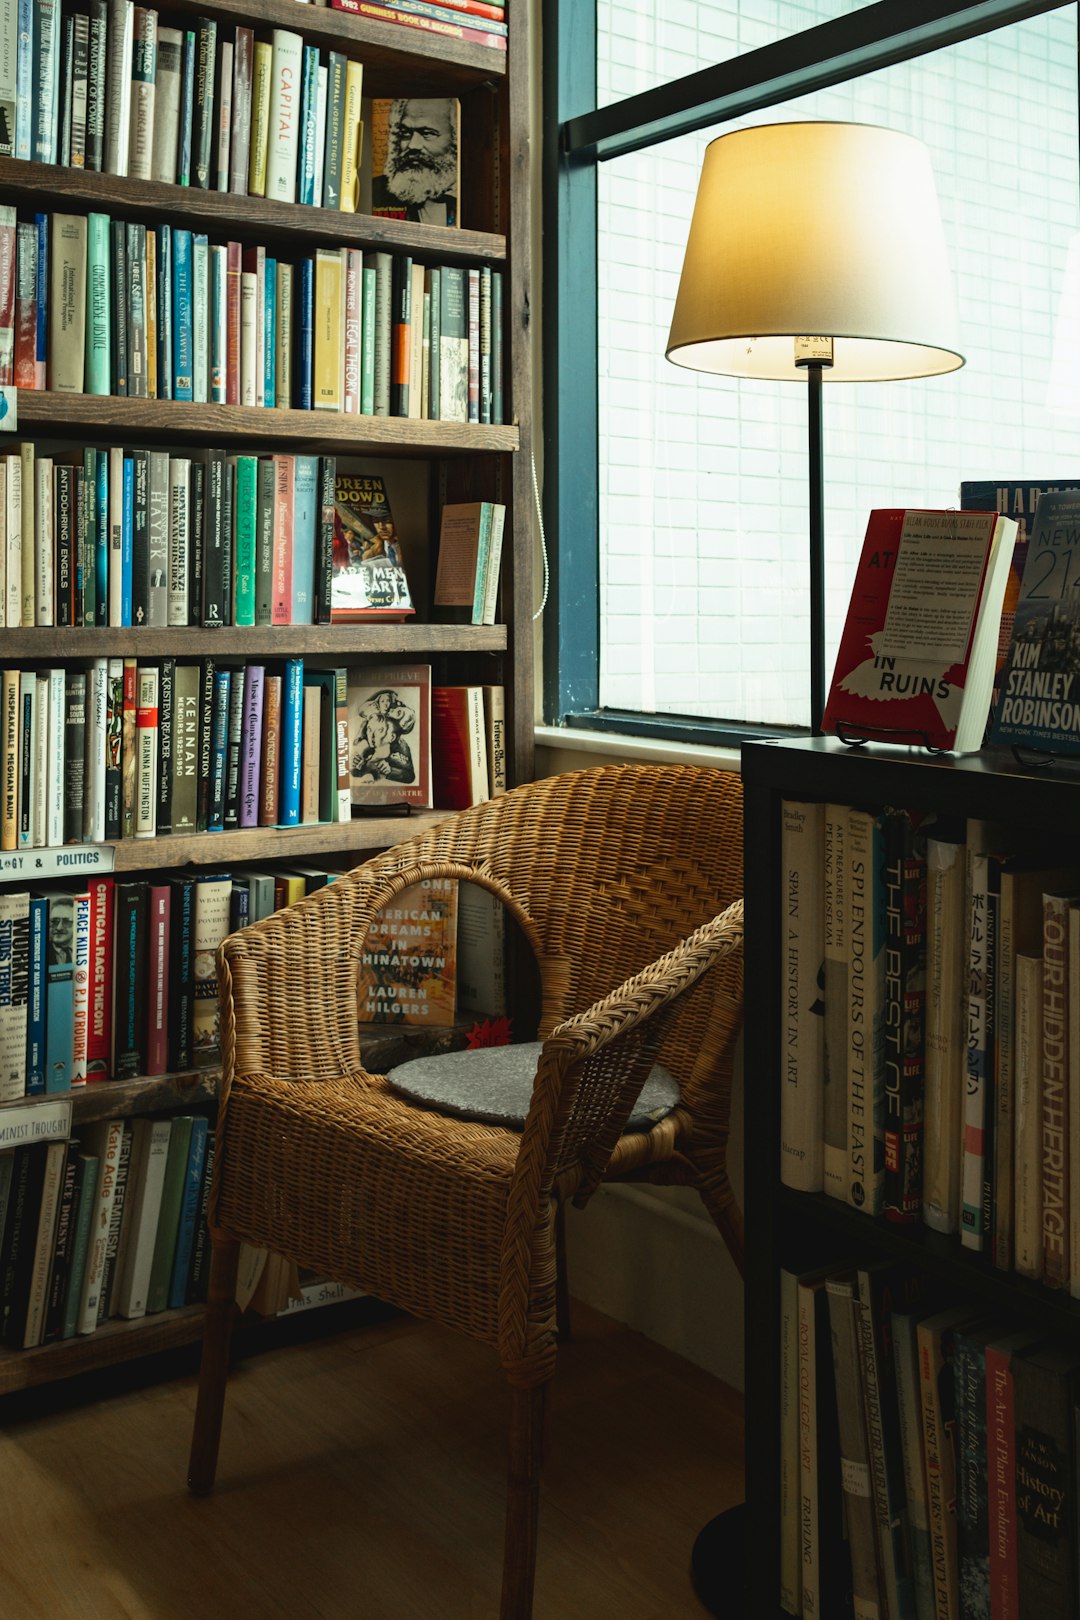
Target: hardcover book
<point>918,653</point>
<point>390,734</point>
<point>415,163</point>
<point>1040,695</point>
<point>369,572</point>
<point>407,969</point>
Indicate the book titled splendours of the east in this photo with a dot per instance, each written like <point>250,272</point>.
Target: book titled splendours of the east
<point>1040,689</point>
<point>918,654</point>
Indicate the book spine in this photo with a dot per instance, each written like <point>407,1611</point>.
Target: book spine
<point>1055,1092</point>
<point>118,92</point>
<point>158,929</point>
<point>231,817</point>
<point>143,92</point>
<point>802,1037</point>
<point>202,127</point>
<point>866,924</point>
<point>905,1001</point>
<point>251,745</point>
<point>292,716</point>
<point>271,752</point>
<point>284,115</point>
<point>146,729</point>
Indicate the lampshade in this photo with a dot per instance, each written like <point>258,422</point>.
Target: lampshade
<point>816,229</point>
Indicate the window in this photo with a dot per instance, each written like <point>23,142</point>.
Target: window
<point>681,499</point>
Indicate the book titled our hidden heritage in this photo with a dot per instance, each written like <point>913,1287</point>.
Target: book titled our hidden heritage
<point>1039,705</point>
<point>918,654</point>
<point>369,579</point>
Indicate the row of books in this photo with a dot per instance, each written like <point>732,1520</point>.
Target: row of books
<point>109,1222</point>
<point>931,1028</point>
<point>928,1454</point>
<point>142,538</point>
<point>138,749</point>
<point>99,306</point>
<point>477,20</point>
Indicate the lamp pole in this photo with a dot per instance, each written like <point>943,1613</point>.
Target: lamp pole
<point>813,354</point>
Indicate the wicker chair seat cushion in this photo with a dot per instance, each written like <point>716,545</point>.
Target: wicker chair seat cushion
<point>344,1176</point>
<point>494,1084</point>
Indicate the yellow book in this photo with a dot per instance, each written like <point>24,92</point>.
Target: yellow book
<point>260,117</point>
<point>329,365</point>
<point>9,753</point>
<point>350,148</point>
<point>291,887</point>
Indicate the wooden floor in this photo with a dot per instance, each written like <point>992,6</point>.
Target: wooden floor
<point>361,1475</point>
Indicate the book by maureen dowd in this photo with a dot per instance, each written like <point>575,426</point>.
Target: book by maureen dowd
<point>407,971</point>
<point>918,653</point>
<point>369,579</point>
<point>1040,690</point>
<point>390,734</point>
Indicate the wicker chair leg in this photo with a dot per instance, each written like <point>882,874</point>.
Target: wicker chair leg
<point>522,1502</point>
<point>563,1320</point>
<point>214,1368</point>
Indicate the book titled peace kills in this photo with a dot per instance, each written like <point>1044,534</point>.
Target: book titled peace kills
<point>369,579</point>
<point>918,652</point>
<point>1040,687</point>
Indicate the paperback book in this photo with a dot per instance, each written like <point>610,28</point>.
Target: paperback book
<point>390,735</point>
<point>369,579</point>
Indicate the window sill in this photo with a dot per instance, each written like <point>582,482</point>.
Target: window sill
<point>613,745</point>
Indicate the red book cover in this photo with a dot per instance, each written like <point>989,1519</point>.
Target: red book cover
<point>1001,1473</point>
<point>271,754</point>
<point>233,268</point>
<point>451,30</point>
<point>99,999</point>
<point>474,344</point>
<point>458,747</point>
<point>26,308</point>
<point>281,599</point>
<point>7,295</point>
<point>919,648</point>
<point>157,983</point>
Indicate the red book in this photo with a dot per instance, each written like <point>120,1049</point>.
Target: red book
<point>451,30</point>
<point>476,8</point>
<point>157,982</point>
<point>473,311</point>
<point>459,763</point>
<point>233,268</point>
<point>7,295</point>
<point>99,999</point>
<point>281,598</point>
<point>919,649</point>
<point>271,752</point>
<point>1001,1472</point>
<point>26,307</point>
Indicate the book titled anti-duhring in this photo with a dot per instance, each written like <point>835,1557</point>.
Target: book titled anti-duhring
<point>918,654</point>
<point>1039,705</point>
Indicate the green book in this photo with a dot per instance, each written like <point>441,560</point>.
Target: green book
<point>172,1193</point>
<point>245,508</point>
<point>98,305</point>
<point>86,1174</point>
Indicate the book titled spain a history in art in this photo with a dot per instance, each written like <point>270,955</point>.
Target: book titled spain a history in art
<point>918,653</point>
<point>1040,689</point>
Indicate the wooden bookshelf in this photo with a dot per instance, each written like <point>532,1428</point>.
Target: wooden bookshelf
<point>410,639</point>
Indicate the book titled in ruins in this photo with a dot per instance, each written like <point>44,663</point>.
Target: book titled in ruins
<point>1040,688</point>
<point>369,579</point>
<point>918,653</point>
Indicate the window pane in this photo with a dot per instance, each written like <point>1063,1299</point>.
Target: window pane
<point>703,479</point>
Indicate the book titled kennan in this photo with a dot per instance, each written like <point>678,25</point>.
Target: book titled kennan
<point>918,654</point>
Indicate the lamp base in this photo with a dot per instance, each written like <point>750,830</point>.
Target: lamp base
<point>718,1564</point>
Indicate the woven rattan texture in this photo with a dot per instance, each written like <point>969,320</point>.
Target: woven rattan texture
<point>617,877</point>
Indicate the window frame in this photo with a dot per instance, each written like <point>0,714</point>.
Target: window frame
<point>578,136</point>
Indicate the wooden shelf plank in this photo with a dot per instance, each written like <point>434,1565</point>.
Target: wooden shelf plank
<point>255,219</point>
<point>324,432</point>
<point>114,1341</point>
<point>336,641</point>
<point>272,843</point>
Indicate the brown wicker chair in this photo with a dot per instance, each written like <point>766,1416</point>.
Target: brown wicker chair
<point>615,876</point>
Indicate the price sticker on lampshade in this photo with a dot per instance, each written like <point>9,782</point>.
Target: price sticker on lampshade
<point>9,408</point>
<point>813,351</point>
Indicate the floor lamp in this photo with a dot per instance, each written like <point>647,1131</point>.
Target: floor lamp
<point>801,229</point>
<point>822,228</point>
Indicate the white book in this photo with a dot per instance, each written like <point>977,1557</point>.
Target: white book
<point>1027,1117</point>
<point>97,703</point>
<point>493,561</point>
<point>13,545</point>
<point>79,87</point>
<point>103,1138</point>
<point>283,144</point>
<point>54,789</point>
<point>80,991</point>
<point>249,326</point>
<point>801,1024</point>
<point>146,751</point>
<point>320,131</point>
<point>27,731</point>
<point>143,94</point>
<point>9,88</point>
<point>44,1242</point>
<point>224,113</point>
<point>121,33</point>
<point>43,547</point>
<point>170,45</point>
<point>116,536</point>
<point>481,951</point>
<point>200,319</point>
<point>158,538</point>
<point>27,509</point>
<point>47,53</point>
<point>149,1152</point>
<point>179,538</point>
<point>39,832</point>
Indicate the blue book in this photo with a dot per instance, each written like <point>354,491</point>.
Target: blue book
<point>42,351</point>
<point>182,332</point>
<point>269,330</point>
<point>26,82</point>
<point>101,540</point>
<point>164,312</point>
<point>292,740</point>
<point>187,108</point>
<point>305,397</point>
<point>219,749</point>
<point>190,1201</point>
<point>305,523</point>
<point>127,543</point>
<point>59,991</point>
<point>46,53</point>
<point>35,1001</point>
<point>309,97</point>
